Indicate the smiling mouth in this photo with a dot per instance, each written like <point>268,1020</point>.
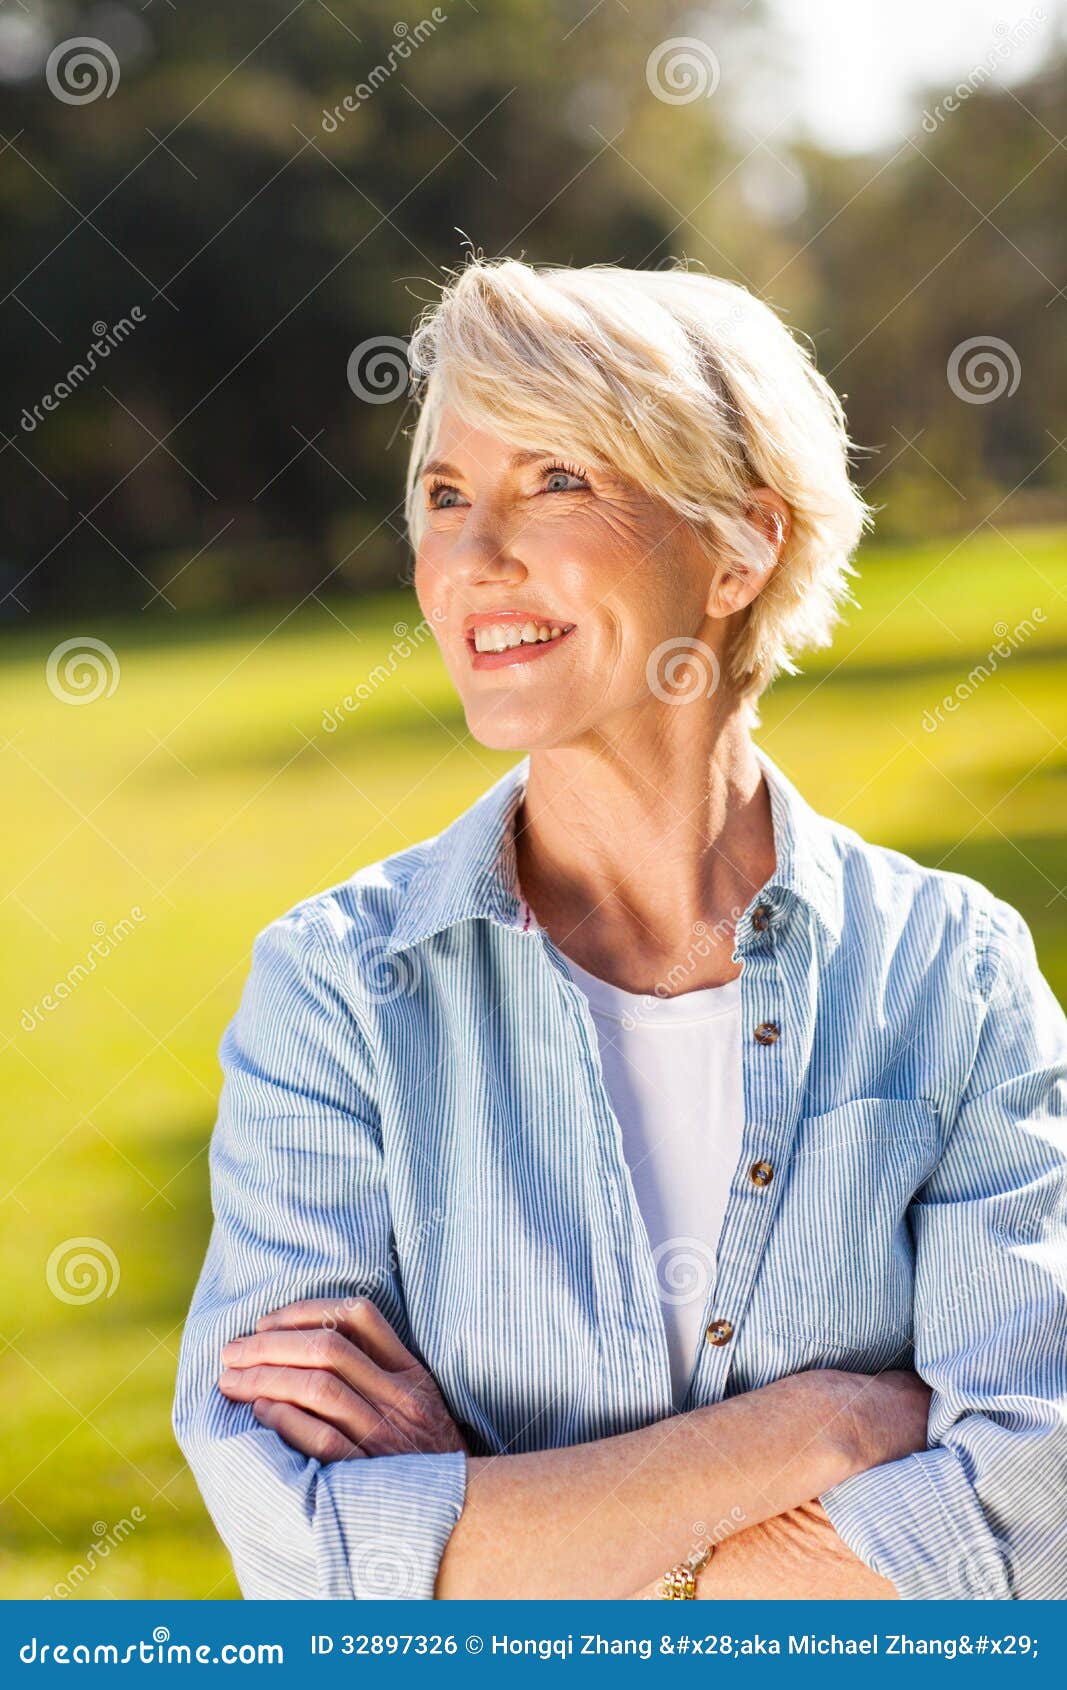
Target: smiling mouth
<point>495,645</point>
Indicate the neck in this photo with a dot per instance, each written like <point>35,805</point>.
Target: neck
<point>629,848</point>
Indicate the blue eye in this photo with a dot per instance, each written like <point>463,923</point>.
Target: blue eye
<point>443,496</point>
<point>557,477</point>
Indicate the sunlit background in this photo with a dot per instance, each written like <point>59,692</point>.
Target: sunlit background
<point>202,555</point>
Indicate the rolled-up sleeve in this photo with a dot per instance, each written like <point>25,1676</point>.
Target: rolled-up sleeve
<point>301,1210</point>
<point>983,1512</point>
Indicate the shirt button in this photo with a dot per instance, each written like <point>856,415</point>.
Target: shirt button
<point>767,1032</point>
<point>761,917</point>
<point>761,1173</point>
<point>719,1332</point>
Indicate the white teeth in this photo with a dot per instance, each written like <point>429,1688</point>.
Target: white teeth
<point>503,636</point>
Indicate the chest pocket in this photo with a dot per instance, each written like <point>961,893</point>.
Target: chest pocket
<point>839,1265</point>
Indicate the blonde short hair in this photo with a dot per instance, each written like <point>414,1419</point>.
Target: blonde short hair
<point>685,384</point>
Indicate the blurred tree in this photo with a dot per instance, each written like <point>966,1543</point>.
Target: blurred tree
<point>199,200</point>
<point>959,237</point>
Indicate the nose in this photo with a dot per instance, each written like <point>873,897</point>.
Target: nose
<point>485,553</point>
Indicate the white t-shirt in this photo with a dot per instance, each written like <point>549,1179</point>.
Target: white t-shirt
<point>672,1068</point>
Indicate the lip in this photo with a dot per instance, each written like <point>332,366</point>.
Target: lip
<point>518,653</point>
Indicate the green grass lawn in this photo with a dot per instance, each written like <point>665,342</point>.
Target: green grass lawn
<point>205,794</point>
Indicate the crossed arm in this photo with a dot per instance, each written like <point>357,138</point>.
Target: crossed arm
<point>600,1519</point>
<point>300,1201</point>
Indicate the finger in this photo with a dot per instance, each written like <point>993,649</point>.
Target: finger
<point>312,1347</point>
<point>315,1390</point>
<point>356,1317</point>
<point>305,1432</point>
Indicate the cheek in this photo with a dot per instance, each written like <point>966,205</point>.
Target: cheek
<point>635,612</point>
<point>428,580</point>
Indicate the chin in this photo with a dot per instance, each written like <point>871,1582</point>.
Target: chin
<point>512,729</point>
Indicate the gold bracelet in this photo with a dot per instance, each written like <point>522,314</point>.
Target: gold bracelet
<point>680,1581</point>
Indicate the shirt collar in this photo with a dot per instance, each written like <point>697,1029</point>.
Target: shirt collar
<point>470,868</point>
<point>808,864</point>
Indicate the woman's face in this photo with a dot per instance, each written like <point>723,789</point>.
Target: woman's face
<point>518,545</point>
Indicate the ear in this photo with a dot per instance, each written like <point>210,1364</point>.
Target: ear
<point>738,579</point>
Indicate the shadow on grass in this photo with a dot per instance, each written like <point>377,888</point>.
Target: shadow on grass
<point>355,746</point>
<point>950,667</point>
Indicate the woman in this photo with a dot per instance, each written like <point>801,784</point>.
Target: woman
<point>588,1179</point>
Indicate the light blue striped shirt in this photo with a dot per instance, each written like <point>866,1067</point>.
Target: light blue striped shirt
<point>414,1111</point>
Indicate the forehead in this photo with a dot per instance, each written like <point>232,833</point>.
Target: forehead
<point>465,445</point>
<point>468,446</point>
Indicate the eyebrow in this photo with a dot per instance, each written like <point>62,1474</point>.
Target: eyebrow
<point>518,460</point>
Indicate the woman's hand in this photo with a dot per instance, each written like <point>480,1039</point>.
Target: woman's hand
<point>797,1556</point>
<point>867,1419</point>
<point>332,1378</point>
